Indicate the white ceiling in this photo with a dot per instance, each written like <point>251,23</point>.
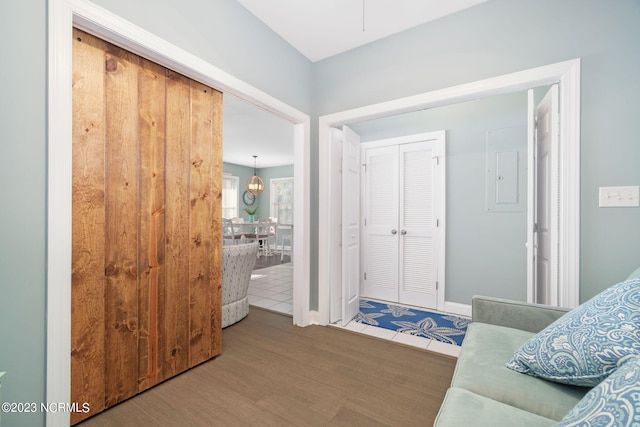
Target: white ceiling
<point>322,28</point>
<point>318,29</point>
<point>249,130</point>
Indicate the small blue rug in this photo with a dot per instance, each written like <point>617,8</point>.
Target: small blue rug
<point>445,328</point>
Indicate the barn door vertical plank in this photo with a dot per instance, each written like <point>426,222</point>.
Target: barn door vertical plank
<point>174,339</point>
<point>88,235</point>
<point>151,252</point>
<point>121,371</point>
<point>216,250</point>
<point>201,220</point>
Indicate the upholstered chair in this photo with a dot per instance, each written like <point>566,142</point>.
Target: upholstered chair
<point>237,263</point>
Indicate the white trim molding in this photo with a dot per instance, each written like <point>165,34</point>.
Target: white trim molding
<point>63,16</point>
<point>459,309</point>
<point>566,74</point>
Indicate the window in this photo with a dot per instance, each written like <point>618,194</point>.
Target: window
<point>230,196</point>
<point>281,190</point>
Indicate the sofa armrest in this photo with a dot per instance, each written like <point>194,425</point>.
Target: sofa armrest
<point>514,314</point>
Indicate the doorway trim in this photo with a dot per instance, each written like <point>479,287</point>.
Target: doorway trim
<point>63,16</point>
<point>566,74</point>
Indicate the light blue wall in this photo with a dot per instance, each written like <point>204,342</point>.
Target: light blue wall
<point>22,205</point>
<point>504,36</point>
<point>262,200</point>
<point>243,173</point>
<point>225,34</point>
<point>485,251</point>
<point>496,37</point>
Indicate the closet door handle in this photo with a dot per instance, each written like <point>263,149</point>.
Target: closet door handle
<point>403,232</point>
<point>394,231</point>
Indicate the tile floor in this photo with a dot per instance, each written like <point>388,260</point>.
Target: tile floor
<point>272,288</point>
<point>402,338</point>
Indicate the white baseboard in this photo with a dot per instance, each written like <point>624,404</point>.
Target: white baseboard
<point>314,317</point>
<point>457,308</point>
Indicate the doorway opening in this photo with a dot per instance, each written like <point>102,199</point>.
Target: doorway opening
<point>565,74</point>
<point>63,16</point>
<point>249,130</point>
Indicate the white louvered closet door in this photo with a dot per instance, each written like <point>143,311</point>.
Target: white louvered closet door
<point>417,236</point>
<point>404,191</point>
<point>381,229</point>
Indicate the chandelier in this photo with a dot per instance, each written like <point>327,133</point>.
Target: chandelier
<point>255,185</point>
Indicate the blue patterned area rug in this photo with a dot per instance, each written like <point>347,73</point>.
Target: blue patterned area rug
<point>446,328</point>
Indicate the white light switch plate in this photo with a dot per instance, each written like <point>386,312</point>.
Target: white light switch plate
<point>619,196</point>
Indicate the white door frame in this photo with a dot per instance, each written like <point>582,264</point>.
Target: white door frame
<point>63,15</point>
<point>566,74</point>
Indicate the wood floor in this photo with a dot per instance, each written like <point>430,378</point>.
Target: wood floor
<point>271,373</point>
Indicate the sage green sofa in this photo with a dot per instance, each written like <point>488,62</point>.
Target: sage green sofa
<point>483,391</point>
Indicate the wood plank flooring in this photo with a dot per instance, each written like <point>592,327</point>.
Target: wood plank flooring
<point>271,373</point>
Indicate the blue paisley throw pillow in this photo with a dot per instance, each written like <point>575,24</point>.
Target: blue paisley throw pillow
<point>613,402</point>
<point>585,345</point>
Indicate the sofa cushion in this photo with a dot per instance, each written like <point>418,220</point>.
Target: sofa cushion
<point>615,401</point>
<point>634,275</point>
<point>464,408</point>
<point>584,346</point>
<point>480,369</point>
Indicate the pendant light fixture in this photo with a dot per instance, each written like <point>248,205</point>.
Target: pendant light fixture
<point>255,185</point>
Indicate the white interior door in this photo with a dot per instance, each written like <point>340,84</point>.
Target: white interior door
<point>547,198</point>
<point>531,196</point>
<point>380,238</point>
<point>418,224</point>
<point>350,224</point>
<point>335,184</point>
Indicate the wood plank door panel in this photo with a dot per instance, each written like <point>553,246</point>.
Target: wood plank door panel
<point>147,239</point>
<point>121,221</point>
<point>201,233</point>
<point>88,227</point>
<point>174,343</point>
<point>151,251</point>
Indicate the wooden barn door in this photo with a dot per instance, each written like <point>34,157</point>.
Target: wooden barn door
<point>147,249</point>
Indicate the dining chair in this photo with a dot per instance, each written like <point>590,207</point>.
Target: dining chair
<point>273,232</point>
<point>286,238</point>
<point>262,235</point>
<point>231,233</point>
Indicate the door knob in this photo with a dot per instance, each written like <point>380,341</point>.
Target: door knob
<point>403,232</point>
<point>394,231</point>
